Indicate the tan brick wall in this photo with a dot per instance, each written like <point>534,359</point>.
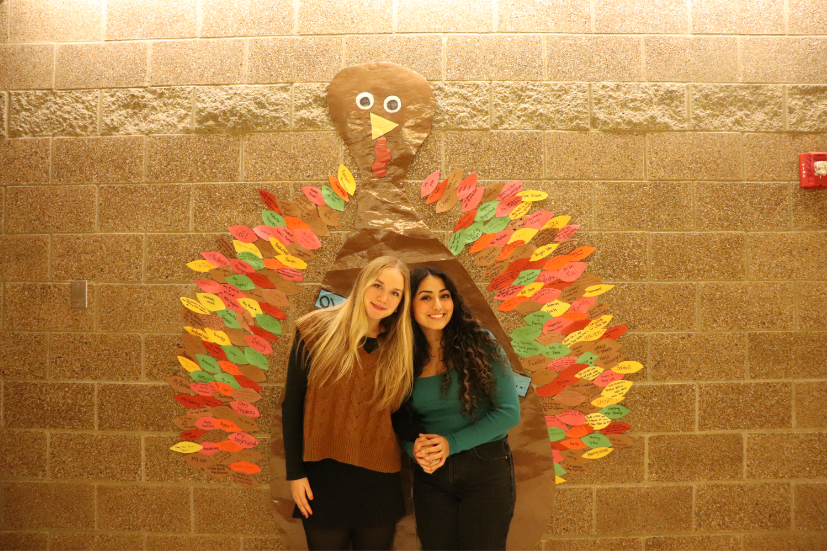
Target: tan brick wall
<point>131,132</point>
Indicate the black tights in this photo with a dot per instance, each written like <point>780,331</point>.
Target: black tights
<point>369,538</point>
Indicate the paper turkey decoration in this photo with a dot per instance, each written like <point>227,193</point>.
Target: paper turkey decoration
<point>563,341</point>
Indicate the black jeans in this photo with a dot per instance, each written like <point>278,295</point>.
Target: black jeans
<point>469,501</point>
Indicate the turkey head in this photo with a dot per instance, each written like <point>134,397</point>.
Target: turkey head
<point>383,112</point>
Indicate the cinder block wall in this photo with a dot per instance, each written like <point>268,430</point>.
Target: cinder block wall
<point>133,131</point>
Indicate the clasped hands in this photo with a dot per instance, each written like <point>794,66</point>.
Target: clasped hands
<point>430,451</point>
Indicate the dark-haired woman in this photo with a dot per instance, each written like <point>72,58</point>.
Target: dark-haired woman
<point>465,400</point>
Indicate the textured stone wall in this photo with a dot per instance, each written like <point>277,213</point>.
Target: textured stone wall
<point>133,131</point>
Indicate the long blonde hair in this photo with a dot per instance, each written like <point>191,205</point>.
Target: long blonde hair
<point>333,336</point>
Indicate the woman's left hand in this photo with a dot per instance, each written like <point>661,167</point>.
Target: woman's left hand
<point>431,451</point>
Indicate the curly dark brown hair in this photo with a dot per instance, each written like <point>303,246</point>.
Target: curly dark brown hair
<point>467,347</point>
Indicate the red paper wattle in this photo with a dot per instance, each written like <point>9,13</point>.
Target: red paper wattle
<point>383,157</point>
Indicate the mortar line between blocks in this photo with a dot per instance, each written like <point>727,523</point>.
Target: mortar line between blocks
<point>792,405</point>
<point>786,16</point>
<point>143,458</point>
<point>143,358</point>
<point>646,142</point>
<point>95,505</point>
<point>739,72</point>
<point>148,80</point>
<point>51,159</point>
<point>199,18</point>
<point>694,507</point>
<point>7,111</point>
<point>491,106</point>
<point>796,301</point>
<point>48,356</point>
<point>96,289</point>
<point>592,16</point>
<point>444,58</point>
<point>95,386</point>
<point>745,447</point>
<point>104,18</point>
<point>790,199</point>
<point>648,237</point>
<point>590,98</point>
<point>192,509</point>
<point>746,356</point>
<point>292,121</point>
<point>594,510</point>
<point>689,122</point>
<point>793,487</point>
<point>593,195</point>
<point>643,72</point>
<point>145,245</point>
<point>245,67</point>
<point>144,159</point>
<point>54,62</point>
<point>97,208</point>
<point>689,17</point>
<point>693,191</point>
<point>241,146</point>
<point>646,458</point>
<point>48,454</point>
<point>192,109</point>
<point>49,270</point>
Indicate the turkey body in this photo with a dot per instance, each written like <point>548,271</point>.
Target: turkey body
<point>387,224</point>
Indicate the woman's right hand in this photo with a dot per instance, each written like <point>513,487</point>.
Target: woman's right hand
<point>430,451</point>
<point>301,494</point>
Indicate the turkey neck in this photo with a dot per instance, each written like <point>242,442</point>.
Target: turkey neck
<point>383,205</point>
<point>386,224</point>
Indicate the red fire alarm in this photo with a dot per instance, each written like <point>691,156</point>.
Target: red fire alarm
<point>813,170</point>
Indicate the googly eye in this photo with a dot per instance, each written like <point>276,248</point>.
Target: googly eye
<point>392,104</point>
<point>364,100</point>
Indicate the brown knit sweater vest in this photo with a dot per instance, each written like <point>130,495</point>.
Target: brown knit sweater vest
<point>342,423</point>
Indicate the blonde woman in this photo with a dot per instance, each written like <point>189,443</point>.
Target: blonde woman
<point>350,367</point>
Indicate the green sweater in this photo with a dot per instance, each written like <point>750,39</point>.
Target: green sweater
<point>442,414</point>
